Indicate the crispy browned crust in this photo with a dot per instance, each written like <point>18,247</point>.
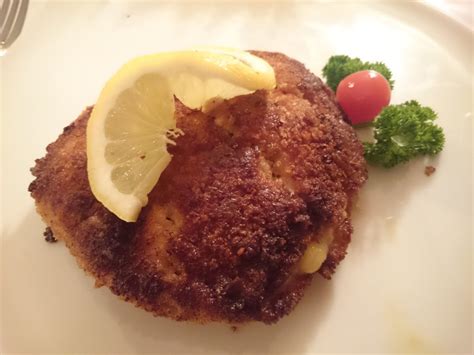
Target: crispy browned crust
<point>250,184</point>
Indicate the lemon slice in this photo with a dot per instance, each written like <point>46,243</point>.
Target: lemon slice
<point>133,120</point>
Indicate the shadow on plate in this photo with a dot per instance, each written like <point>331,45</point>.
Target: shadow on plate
<point>293,333</point>
<point>28,259</point>
<point>381,202</point>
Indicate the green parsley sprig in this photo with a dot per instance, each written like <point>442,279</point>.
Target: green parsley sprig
<point>340,66</point>
<point>401,132</point>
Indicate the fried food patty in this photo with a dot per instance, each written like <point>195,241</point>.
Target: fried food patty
<point>251,183</point>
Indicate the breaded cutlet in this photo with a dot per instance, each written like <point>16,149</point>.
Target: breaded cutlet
<point>252,182</point>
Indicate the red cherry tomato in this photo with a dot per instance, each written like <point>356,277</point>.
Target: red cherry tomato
<point>363,95</point>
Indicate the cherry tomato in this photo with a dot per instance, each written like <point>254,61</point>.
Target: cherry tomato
<point>363,95</point>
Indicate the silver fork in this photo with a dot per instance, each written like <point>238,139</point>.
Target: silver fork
<point>12,18</point>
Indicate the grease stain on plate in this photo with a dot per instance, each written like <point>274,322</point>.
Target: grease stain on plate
<point>403,336</point>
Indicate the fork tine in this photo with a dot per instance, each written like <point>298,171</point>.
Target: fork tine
<point>18,24</point>
<point>10,21</point>
<point>3,12</point>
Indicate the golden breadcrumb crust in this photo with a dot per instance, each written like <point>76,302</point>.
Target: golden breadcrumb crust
<point>251,183</point>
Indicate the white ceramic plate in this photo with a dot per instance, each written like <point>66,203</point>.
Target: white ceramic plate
<point>405,285</point>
